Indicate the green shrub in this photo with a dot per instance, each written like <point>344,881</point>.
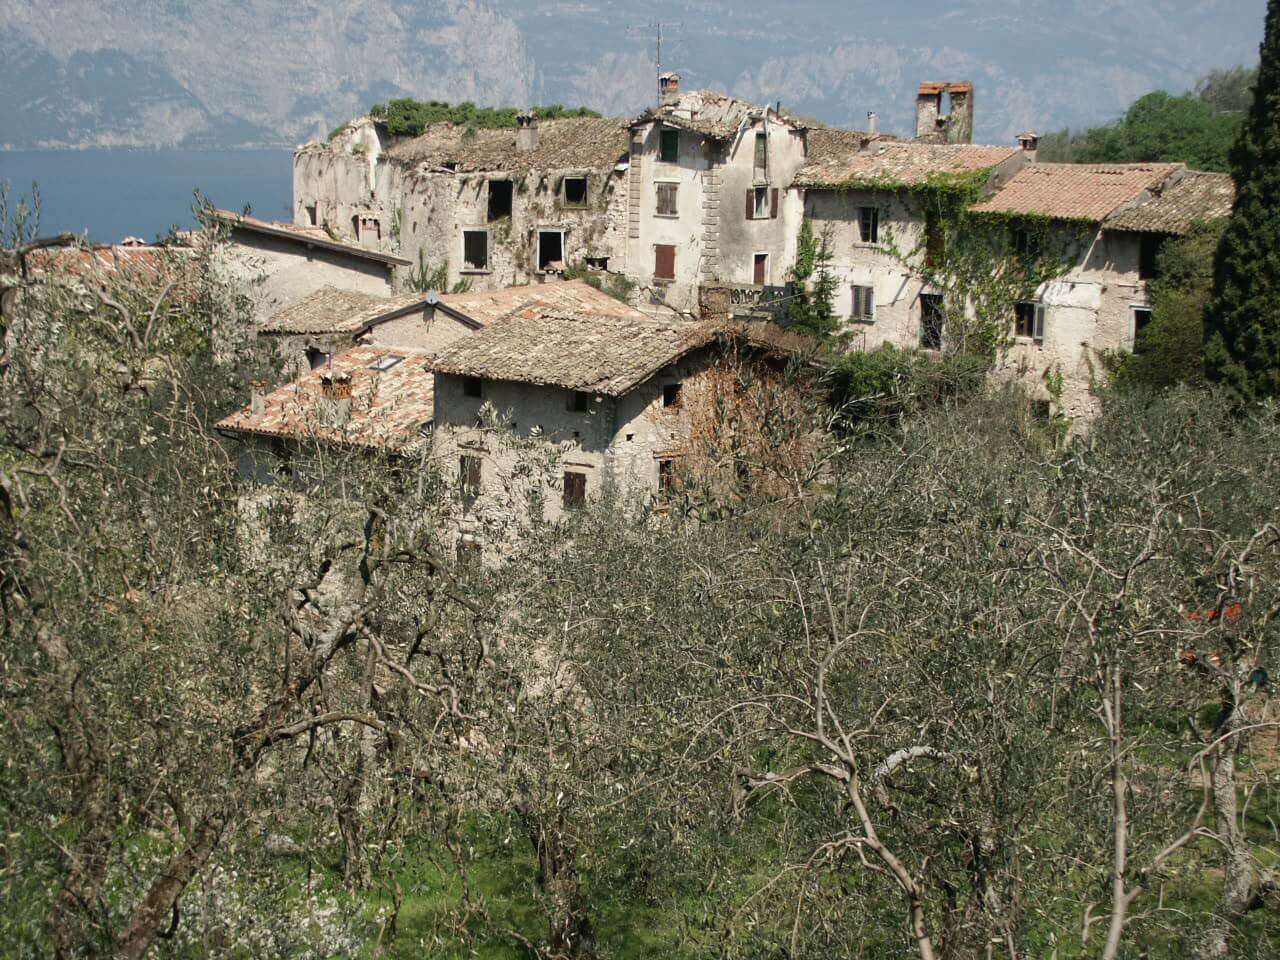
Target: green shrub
<point>883,383</point>
<point>406,117</point>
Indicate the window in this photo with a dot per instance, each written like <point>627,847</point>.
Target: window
<point>575,191</point>
<point>575,489</point>
<point>469,475</point>
<point>664,261</point>
<point>671,395</point>
<point>864,304</point>
<point>1042,412</point>
<point>500,192</point>
<point>475,250</point>
<point>869,224</point>
<point>1026,245</point>
<point>598,264</point>
<point>550,250</point>
<point>760,164</point>
<point>578,402</point>
<point>472,387</point>
<point>931,320</point>
<point>385,363</point>
<point>316,358</point>
<point>669,146</point>
<point>311,214</point>
<point>760,269</point>
<point>762,203</point>
<point>667,200</point>
<point>1149,246</point>
<point>1141,320</point>
<point>1028,320</point>
<point>666,477</point>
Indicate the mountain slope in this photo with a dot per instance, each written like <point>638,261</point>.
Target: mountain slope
<point>227,72</point>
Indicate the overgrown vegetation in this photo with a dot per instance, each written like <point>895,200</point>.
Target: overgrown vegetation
<point>811,308</point>
<point>406,117</point>
<point>617,285</point>
<point>1171,349</point>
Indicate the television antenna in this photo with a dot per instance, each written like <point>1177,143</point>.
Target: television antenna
<point>657,54</point>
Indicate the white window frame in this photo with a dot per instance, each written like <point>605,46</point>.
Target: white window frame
<point>1037,321</point>
<point>1133,322</point>
<point>760,208</point>
<point>869,316</point>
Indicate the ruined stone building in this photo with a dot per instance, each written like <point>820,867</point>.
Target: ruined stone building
<point>708,192</point>
<point>489,208</point>
<point>707,196</point>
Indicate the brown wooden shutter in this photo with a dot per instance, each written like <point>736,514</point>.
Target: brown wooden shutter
<point>664,261</point>
<point>751,204</point>
<point>773,205</point>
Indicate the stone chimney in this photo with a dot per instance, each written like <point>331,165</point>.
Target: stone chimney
<point>934,125</point>
<point>928,109</point>
<point>526,132</point>
<point>872,121</point>
<point>669,87</point>
<point>1029,142</point>
<point>258,397</point>
<point>335,399</point>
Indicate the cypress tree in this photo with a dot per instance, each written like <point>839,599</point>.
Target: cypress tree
<point>1242,325</point>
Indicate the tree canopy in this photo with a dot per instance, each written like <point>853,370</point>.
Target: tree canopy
<point>1242,328</point>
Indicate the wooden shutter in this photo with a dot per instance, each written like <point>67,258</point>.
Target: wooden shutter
<point>1037,329</point>
<point>773,205</point>
<point>664,261</point>
<point>751,204</point>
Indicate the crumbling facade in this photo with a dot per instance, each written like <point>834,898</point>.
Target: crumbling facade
<point>707,196</point>
<point>485,209</point>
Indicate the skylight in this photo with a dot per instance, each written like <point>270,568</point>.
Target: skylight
<point>385,363</point>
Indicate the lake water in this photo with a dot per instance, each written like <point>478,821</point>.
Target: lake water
<point>141,193</point>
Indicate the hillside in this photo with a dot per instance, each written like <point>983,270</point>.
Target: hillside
<point>172,72</point>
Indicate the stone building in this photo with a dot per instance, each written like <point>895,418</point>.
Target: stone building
<point>707,195</point>
<point>281,263</point>
<point>603,393</point>
<point>493,208</point>
<point>860,191</point>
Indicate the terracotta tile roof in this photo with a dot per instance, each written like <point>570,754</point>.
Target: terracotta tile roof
<point>708,112</point>
<point>1073,191</point>
<point>103,259</point>
<point>314,236</point>
<point>569,296</point>
<point>330,310</point>
<point>1195,196</point>
<point>388,408</point>
<point>576,143</point>
<point>593,353</point>
<point>838,158</point>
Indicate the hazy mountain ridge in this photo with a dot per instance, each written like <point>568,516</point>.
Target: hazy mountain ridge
<point>229,72</point>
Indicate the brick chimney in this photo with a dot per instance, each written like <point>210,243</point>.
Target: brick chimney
<point>335,399</point>
<point>669,87</point>
<point>526,132</point>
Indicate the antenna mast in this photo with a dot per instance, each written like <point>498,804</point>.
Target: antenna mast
<point>657,52</point>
